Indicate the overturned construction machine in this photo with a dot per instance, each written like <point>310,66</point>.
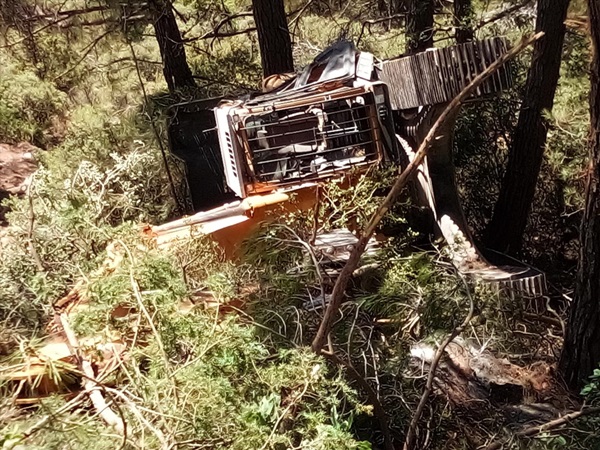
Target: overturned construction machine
<point>347,111</point>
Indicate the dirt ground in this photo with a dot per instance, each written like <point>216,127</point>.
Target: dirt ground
<point>17,163</point>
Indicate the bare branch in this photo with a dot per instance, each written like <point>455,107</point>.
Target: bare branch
<point>537,429</point>
<point>215,32</point>
<point>68,13</point>
<point>412,428</point>
<point>497,15</point>
<point>98,400</point>
<point>368,23</point>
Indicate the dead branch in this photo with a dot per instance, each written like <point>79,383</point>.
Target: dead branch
<point>34,32</point>
<point>378,408</point>
<point>545,319</point>
<point>215,32</point>
<point>137,413</point>
<point>30,232</point>
<point>212,35</point>
<point>368,23</point>
<point>537,429</point>
<point>87,51</point>
<point>89,385</point>
<point>67,13</point>
<point>412,428</point>
<point>494,16</point>
<point>402,180</point>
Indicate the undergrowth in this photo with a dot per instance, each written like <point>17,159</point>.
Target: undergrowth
<point>242,376</point>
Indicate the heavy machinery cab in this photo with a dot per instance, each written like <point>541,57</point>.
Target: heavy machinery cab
<point>331,118</point>
<point>340,114</point>
<point>344,113</point>
<point>281,142</point>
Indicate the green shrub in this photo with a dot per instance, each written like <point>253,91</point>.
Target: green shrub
<point>28,105</point>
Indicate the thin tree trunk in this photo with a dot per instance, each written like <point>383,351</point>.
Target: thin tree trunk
<point>273,36</point>
<point>581,351</point>
<point>176,70</point>
<point>463,15</point>
<point>419,26</point>
<point>505,231</point>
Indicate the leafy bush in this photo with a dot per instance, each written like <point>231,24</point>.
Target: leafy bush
<point>196,377</point>
<point>28,105</point>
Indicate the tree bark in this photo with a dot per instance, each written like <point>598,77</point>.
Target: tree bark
<point>176,70</point>
<point>463,16</point>
<point>273,36</point>
<point>419,26</point>
<point>581,350</point>
<point>505,231</point>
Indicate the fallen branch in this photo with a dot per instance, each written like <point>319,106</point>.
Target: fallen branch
<point>535,430</point>
<point>367,24</point>
<point>67,13</point>
<point>137,413</point>
<point>30,232</point>
<point>89,385</point>
<point>44,420</point>
<point>412,428</point>
<point>497,15</point>
<point>402,180</point>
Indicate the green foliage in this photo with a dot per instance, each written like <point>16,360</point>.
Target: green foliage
<point>73,220</point>
<point>591,391</point>
<point>211,380</point>
<point>195,377</point>
<point>28,105</point>
<point>72,431</point>
<point>414,287</point>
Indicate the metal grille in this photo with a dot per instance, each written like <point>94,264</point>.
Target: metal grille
<point>437,76</point>
<point>312,141</point>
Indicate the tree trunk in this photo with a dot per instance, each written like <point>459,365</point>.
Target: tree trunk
<point>581,351</point>
<point>273,36</point>
<point>176,70</point>
<point>463,15</point>
<point>505,231</point>
<point>419,26</point>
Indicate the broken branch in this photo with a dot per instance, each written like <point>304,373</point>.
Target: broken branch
<point>89,385</point>
<point>497,15</point>
<point>532,431</point>
<point>30,232</point>
<point>402,180</point>
<point>67,13</point>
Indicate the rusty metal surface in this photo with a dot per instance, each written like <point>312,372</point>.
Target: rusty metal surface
<point>438,75</point>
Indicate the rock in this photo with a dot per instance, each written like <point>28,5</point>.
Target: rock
<point>17,163</point>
